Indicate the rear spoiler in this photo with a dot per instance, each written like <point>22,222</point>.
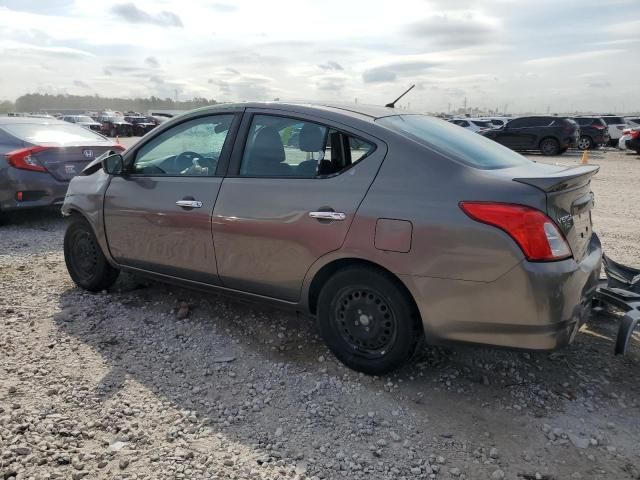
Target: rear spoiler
<point>563,179</point>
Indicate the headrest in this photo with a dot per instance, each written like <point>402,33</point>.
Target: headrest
<point>311,138</point>
<point>267,146</point>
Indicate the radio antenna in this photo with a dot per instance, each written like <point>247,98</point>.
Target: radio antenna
<point>393,104</point>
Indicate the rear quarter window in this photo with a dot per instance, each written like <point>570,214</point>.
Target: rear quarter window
<point>455,143</point>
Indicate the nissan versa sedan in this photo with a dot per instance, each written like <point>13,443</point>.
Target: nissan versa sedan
<point>389,228</point>
<point>38,156</point>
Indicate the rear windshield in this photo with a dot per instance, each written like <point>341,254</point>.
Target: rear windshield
<point>53,134</point>
<point>614,120</point>
<point>454,142</point>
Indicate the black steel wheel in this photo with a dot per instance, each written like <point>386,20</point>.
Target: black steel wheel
<point>85,261</point>
<point>549,146</point>
<point>368,320</point>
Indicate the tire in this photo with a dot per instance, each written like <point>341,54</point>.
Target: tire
<point>113,132</point>
<point>585,143</point>
<point>549,146</point>
<point>86,263</point>
<point>392,332</point>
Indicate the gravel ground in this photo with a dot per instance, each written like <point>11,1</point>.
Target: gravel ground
<point>153,381</point>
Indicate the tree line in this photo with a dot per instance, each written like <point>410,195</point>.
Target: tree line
<point>35,102</point>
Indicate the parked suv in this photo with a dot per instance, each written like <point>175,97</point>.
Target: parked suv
<point>616,125</point>
<point>550,135</point>
<point>593,132</point>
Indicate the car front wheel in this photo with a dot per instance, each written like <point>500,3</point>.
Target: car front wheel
<point>368,321</point>
<point>549,146</point>
<point>85,261</point>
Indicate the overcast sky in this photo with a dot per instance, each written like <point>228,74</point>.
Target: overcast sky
<point>568,55</point>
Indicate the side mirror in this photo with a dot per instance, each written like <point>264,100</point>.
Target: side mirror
<point>113,164</point>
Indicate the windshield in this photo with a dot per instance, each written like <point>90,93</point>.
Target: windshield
<point>454,142</point>
<point>53,134</point>
<point>84,119</point>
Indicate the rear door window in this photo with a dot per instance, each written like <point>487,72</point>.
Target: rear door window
<point>289,147</point>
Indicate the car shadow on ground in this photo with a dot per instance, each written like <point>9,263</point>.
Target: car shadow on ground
<point>136,330</point>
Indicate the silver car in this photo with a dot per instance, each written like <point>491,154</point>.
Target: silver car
<point>38,157</point>
<point>388,228</point>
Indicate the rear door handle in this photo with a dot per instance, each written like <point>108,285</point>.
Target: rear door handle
<point>328,215</point>
<point>189,203</point>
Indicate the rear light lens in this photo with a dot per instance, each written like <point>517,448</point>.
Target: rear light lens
<point>535,233</point>
<point>634,134</point>
<point>24,160</point>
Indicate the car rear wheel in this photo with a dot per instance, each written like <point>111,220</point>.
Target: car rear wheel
<point>585,143</point>
<point>85,261</point>
<point>368,321</point>
<point>549,146</point>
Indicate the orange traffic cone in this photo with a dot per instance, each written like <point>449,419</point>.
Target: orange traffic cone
<point>585,157</point>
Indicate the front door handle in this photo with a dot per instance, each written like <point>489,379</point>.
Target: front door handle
<point>189,203</point>
<point>328,215</point>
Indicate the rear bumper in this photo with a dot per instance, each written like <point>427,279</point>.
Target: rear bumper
<point>534,306</point>
<point>633,144</point>
<point>40,189</point>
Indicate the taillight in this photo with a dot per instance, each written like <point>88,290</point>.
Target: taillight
<point>535,233</point>
<point>635,134</point>
<point>23,159</point>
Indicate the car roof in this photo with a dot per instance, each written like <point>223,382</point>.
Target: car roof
<point>30,120</point>
<point>355,110</point>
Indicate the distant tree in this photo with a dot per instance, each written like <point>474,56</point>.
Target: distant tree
<point>6,106</point>
<point>33,102</point>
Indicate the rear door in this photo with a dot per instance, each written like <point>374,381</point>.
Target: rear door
<point>513,134</point>
<point>158,216</point>
<point>285,203</point>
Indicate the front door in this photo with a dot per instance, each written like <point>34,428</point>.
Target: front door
<point>158,215</point>
<point>290,197</point>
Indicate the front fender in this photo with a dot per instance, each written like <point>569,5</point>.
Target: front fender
<point>85,196</point>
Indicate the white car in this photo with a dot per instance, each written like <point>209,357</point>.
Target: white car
<point>634,122</point>
<point>473,124</point>
<point>498,121</point>
<point>615,126</point>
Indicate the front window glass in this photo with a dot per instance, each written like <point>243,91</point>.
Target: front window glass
<point>453,142</point>
<point>192,148</point>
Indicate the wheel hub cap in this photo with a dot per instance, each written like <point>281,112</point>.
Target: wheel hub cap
<point>365,320</point>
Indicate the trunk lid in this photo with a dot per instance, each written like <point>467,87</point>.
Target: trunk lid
<point>569,202</point>
<point>65,163</point>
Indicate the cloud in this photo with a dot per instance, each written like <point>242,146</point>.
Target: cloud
<point>132,14</point>
<point>152,62</point>
<point>81,84</point>
<point>599,84</point>
<point>332,83</point>
<point>26,48</point>
<point>391,71</point>
<point>331,65</point>
<point>572,57</point>
<point>455,29</point>
<point>223,7</point>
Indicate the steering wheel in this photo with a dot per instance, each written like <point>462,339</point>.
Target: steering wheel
<point>185,160</point>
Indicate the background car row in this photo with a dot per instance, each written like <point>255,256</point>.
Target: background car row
<point>554,135</point>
